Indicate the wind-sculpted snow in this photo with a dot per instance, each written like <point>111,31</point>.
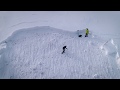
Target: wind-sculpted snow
<point>36,53</point>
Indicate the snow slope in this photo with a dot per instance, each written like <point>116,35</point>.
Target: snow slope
<point>36,53</point>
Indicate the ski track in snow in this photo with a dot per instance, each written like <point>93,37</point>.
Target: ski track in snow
<point>37,54</point>
<point>26,23</point>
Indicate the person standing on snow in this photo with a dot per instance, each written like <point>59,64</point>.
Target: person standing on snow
<point>87,32</point>
<point>64,49</point>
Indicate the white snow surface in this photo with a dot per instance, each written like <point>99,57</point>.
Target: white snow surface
<point>31,52</point>
<point>35,53</point>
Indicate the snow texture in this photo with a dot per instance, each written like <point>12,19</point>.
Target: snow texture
<point>35,53</point>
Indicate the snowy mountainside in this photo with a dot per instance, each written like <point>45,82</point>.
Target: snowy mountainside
<point>36,53</point>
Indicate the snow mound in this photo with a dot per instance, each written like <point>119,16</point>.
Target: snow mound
<point>36,53</point>
<point>2,47</point>
<point>109,48</point>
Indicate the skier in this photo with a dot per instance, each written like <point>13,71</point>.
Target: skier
<point>87,32</point>
<point>64,49</point>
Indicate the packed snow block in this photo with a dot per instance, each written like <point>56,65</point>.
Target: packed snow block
<point>109,49</point>
<point>118,62</point>
<point>2,47</point>
<point>117,55</point>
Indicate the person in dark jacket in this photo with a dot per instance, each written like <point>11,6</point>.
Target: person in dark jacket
<point>64,49</point>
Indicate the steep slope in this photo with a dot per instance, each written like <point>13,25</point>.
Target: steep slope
<point>36,53</point>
